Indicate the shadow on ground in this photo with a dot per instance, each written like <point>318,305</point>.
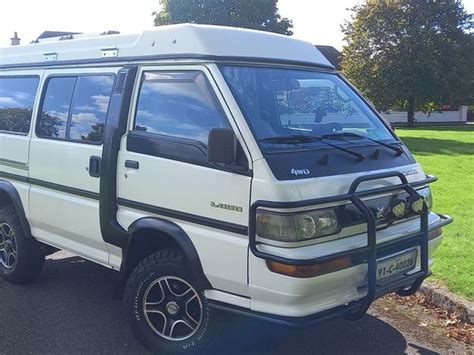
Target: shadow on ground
<point>71,310</point>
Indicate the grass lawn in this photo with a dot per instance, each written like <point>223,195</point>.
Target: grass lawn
<point>448,152</point>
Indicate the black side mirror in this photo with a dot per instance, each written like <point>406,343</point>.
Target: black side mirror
<point>222,146</point>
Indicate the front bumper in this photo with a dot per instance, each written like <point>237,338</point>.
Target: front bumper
<point>349,291</point>
<point>293,322</point>
<point>336,311</point>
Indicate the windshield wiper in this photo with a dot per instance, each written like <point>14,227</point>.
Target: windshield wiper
<point>397,150</point>
<point>301,138</point>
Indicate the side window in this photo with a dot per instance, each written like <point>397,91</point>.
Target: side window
<point>17,96</point>
<point>75,108</point>
<point>178,104</point>
<point>89,108</point>
<point>55,108</point>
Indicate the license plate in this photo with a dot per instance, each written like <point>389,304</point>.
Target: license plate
<point>396,265</point>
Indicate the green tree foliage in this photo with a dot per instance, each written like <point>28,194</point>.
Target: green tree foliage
<point>255,14</point>
<point>96,134</point>
<point>15,119</point>
<point>411,54</point>
<point>50,125</point>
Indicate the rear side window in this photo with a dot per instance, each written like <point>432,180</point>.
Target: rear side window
<point>89,108</point>
<point>55,109</point>
<point>178,104</point>
<point>17,96</point>
<point>75,108</point>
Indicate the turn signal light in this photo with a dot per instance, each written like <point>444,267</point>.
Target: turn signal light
<point>305,271</point>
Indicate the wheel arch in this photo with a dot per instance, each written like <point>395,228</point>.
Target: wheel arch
<point>9,195</point>
<point>161,234</point>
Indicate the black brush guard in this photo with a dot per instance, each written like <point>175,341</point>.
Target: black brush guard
<point>405,285</point>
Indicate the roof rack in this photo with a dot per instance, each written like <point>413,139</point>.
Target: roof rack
<point>49,36</point>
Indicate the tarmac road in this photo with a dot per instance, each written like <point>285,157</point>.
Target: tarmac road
<point>70,310</point>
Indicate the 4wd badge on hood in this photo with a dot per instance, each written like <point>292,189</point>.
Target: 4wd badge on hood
<point>299,172</point>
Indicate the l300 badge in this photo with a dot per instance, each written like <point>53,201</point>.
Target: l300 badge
<point>226,206</point>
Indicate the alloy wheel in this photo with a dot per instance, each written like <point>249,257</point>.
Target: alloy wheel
<point>172,308</point>
<point>8,247</point>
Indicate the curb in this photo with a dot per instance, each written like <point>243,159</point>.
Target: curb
<point>442,298</point>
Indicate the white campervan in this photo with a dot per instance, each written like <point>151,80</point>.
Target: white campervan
<point>215,168</point>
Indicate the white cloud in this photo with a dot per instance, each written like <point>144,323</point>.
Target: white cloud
<point>7,101</point>
<point>61,115</point>
<point>102,102</point>
<point>104,80</point>
<point>20,96</point>
<point>84,118</point>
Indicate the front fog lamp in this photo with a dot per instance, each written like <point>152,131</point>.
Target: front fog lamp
<point>417,204</point>
<point>285,227</point>
<point>398,208</point>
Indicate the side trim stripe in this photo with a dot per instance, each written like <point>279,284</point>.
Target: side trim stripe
<point>50,185</point>
<point>66,189</point>
<point>14,177</point>
<point>208,222</point>
<point>14,164</point>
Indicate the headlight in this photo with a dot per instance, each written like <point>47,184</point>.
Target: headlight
<point>285,227</point>
<point>427,195</point>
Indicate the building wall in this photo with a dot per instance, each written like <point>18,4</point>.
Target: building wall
<point>459,116</point>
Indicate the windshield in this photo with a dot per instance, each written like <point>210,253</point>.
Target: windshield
<point>287,103</point>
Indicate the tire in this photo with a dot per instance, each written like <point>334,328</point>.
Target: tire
<point>21,260</point>
<point>178,317</point>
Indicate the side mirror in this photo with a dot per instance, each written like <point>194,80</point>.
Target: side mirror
<point>222,146</point>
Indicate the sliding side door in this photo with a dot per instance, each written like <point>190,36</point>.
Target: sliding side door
<point>65,160</point>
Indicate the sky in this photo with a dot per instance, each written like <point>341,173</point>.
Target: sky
<point>316,21</point>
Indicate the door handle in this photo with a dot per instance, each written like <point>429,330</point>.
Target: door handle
<point>94,166</point>
<point>132,164</point>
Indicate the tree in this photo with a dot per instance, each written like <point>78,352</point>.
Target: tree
<point>411,54</point>
<point>255,14</point>
<point>15,119</point>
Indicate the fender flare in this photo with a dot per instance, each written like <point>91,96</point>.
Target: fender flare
<point>14,196</point>
<point>181,238</point>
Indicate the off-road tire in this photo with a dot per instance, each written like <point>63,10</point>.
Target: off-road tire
<point>30,260</point>
<point>161,266</point>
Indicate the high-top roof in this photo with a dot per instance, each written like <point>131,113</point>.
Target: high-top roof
<point>175,41</point>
